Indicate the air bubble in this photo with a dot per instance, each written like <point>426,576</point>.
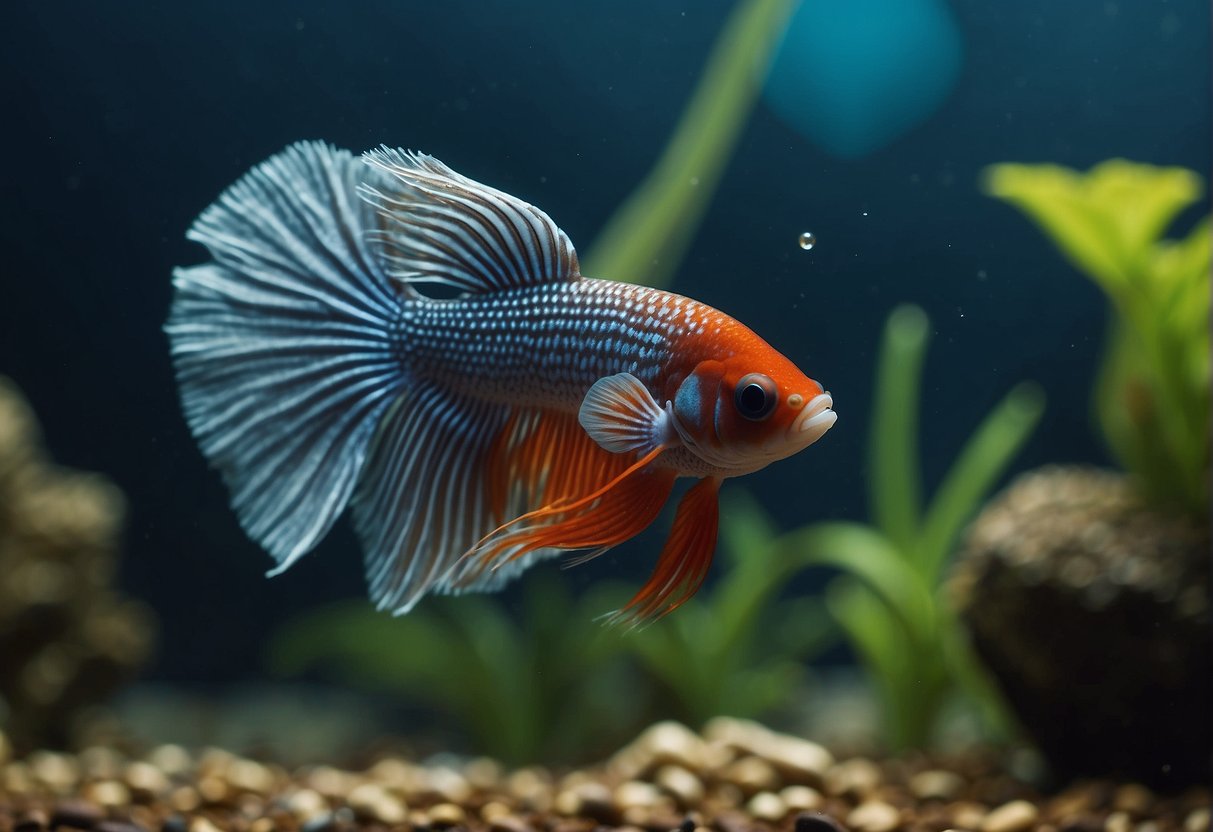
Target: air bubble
<point>807,240</point>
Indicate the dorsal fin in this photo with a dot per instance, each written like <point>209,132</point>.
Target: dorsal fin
<point>441,227</point>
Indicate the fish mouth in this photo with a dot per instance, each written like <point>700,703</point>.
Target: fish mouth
<point>813,422</point>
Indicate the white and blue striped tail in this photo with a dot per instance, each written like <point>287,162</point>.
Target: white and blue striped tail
<point>286,344</point>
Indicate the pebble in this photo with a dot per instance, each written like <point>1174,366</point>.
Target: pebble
<point>509,823</point>
<point>119,826</point>
<point>686,788</point>
<point>305,804</point>
<point>799,761</point>
<point>874,816</point>
<point>1197,820</point>
<point>661,744</point>
<point>936,784</point>
<point>1016,816</point>
<point>752,775</point>
<point>1133,798</point>
<point>171,759</point>
<point>1118,822</point>
<point>767,806</point>
<point>58,772</point>
<point>447,814</point>
<point>801,798</point>
<point>817,822</point>
<point>371,801</point>
<point>33,821</point>
<point>250,776</point>
<point>109,794</point>
<point>968,815</point>
<point>202,824</point>
<point>637,793</point>
<point>78,814</point>
<point>185,799</point>
<point>146,782</point>
<point>857,777</point>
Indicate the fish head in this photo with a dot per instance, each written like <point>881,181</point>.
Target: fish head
<point>744,411</point>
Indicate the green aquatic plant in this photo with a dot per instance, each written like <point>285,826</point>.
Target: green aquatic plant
<point>518,682</point>
<point>1152,397</point>
<point>649,233</point>
<point>739,648</point>
<point>889,601</point>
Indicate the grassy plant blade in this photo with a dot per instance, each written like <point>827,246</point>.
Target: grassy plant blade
<point>893,459</point>
<point>878,637</point>
<point>982,461</point>
<point>648,235</point>
<point>866,554</point>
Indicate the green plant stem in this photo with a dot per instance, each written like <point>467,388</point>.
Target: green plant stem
<point>893,484</point>
<point>648,235</point>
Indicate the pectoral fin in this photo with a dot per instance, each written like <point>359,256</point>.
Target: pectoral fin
<point>620,414</point>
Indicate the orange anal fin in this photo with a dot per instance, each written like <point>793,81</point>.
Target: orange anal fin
<point>684,560</point>
<point>605,517</point>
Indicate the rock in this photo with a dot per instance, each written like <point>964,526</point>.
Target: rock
<point>145,781</point>
<point>1091,609</point>
<point>445,815</point>
<point>684,786</point>
<point>767,806</point>
<point>936,784</point>
<point>857,777</point>
<point>661,744</point>
<point>801,798</point>
<point>509,823</point>
<point>371,801</point>
<point>1016,816</point>
<point>874,816</point>
<point>1197,820</point>
<point>817,822</point>
<point>752,775</point>
<point>78,814</point>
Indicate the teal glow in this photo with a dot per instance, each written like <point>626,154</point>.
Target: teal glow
<point>854,76</point>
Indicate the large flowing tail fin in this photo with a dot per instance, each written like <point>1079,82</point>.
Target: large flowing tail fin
<point>286,344</point>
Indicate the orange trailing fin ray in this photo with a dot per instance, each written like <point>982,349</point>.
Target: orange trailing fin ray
<point>604,517</point>
<point>684,560</point>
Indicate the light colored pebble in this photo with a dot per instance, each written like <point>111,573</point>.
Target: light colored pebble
<point>1144,826</point>
<point>100,763</point>
<point>1197,820</point>
<point>213,789</point>
<point>146,780</point>
<point>17,779</point>
<point>448,784</point>
<point>171,759</point>
<point>686,788</point>
<point>767,806</point>
<point>1133,798</point>
<point>108,793</point>
<point>58,772</point>
<point>447,814</point>
<point>874,816</point>
<point>185,799</point>
<point>799,761</point>
<point>660,744</point>
<point>305,804</point>
<point>968,815</point>
<point>1118,822</point>
<point>637,793</point>
<point>509,823</point>
<point>858,777</point>
<point>801,798</point>
<point>200,823</point>
<point>483,773</point>
<point>371,801</point>
<point>752,774</point>
<point>493,810</point>
<point>531,787</point>
<point>262,824</point>
<point>1016,816</point>
<point>250,776</point>
<point>330,782</point>
<point>936,784</point>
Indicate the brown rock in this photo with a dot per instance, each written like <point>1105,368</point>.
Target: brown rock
<point>1016,816</point>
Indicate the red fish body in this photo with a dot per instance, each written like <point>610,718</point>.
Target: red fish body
<point>536,411</point>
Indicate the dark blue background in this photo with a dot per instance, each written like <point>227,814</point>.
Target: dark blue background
<point>124,119</point>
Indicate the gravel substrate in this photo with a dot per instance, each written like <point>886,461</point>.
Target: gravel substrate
<point>736,776</point>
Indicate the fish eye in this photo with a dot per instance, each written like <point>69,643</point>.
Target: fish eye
<point>756,396</point>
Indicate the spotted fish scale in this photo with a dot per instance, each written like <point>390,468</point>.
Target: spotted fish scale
<point>548,344</point>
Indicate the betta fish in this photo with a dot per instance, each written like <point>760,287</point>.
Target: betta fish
<point>382,333</point>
